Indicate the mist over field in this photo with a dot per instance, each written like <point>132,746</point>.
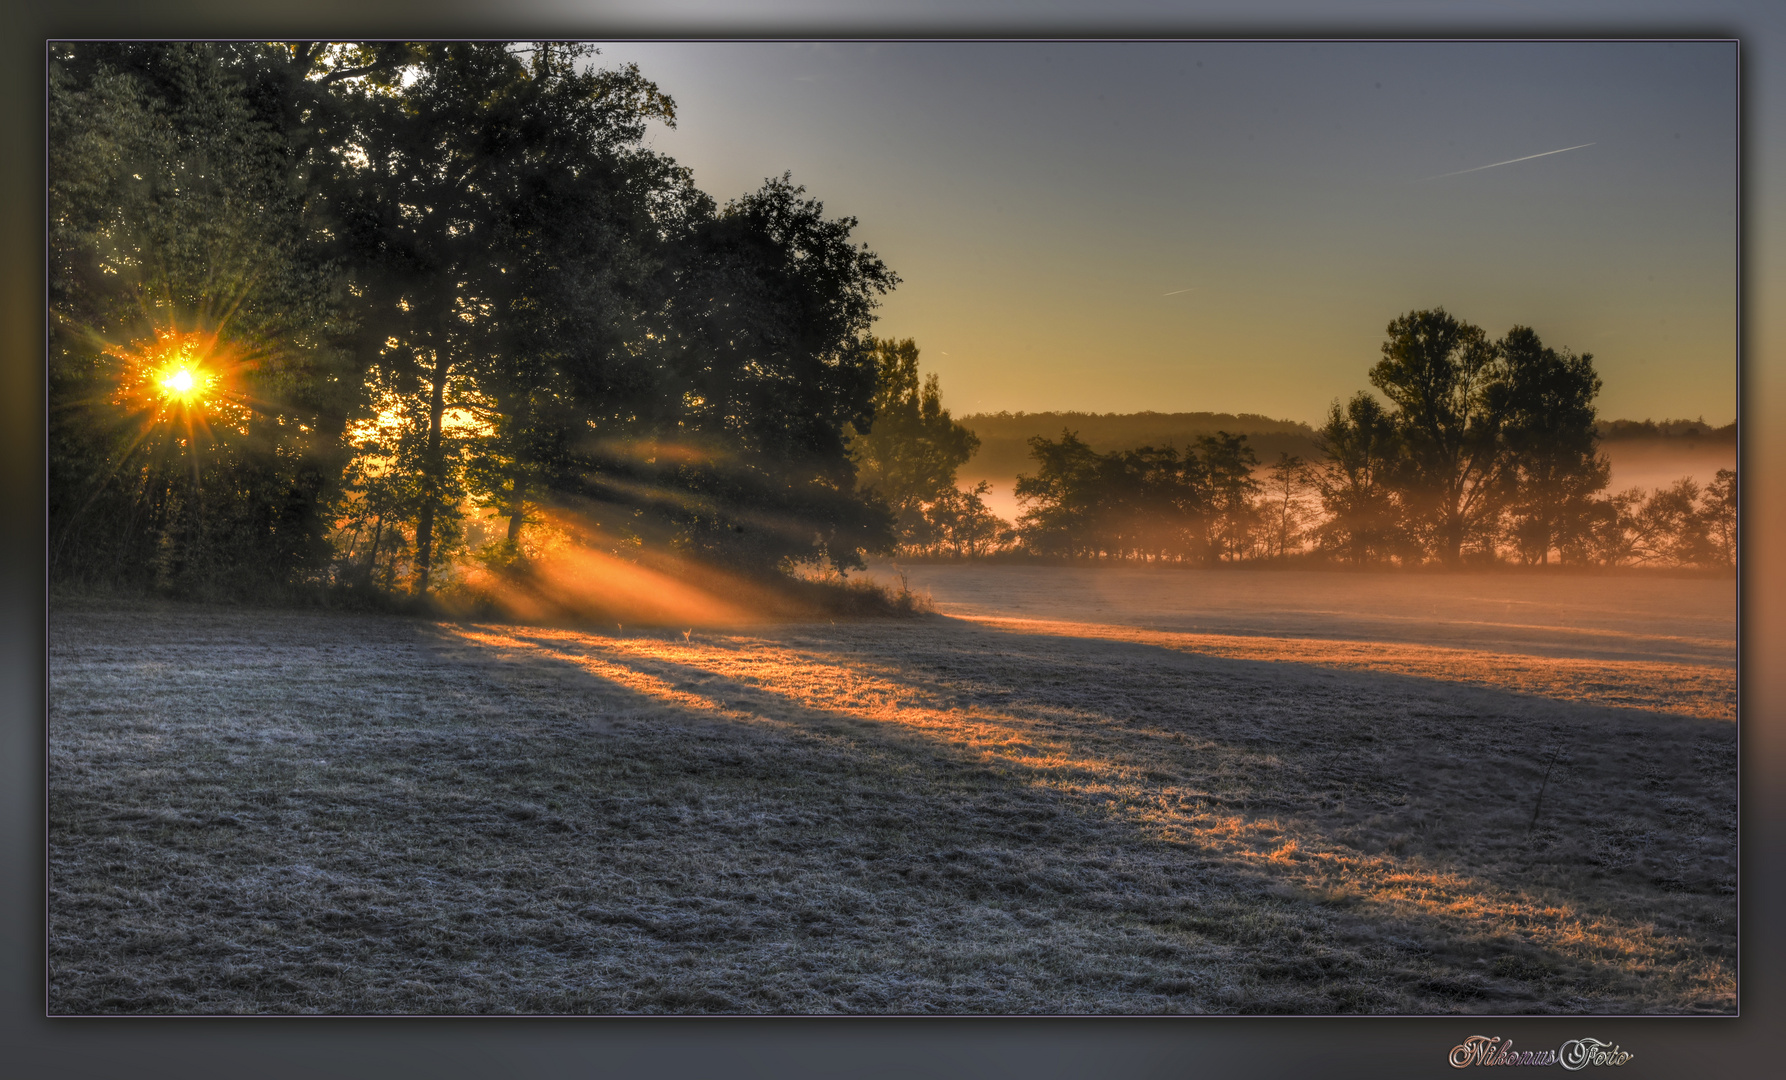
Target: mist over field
<point>1647,465</point>
<point>1626,618</point>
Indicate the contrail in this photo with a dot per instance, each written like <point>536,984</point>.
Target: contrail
<point>1175,292</point>
<point>1509,161</point>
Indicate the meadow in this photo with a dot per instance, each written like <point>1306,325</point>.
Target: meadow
<point>1069,790</point>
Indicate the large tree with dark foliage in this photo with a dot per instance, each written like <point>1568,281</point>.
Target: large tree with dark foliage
<point>1486,442</point>
<point>1485,449</point>
<point>1441,375</point>
<point>768,364</point>
<point>1547,401</point>
<point>197,383</point>
<point>496,218</point>
<point>588,242</point>
<point>425,277</point>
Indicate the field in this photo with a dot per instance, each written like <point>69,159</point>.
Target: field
<point>1070,791</point>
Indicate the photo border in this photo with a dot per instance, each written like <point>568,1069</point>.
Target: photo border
<point>1365,1046</point>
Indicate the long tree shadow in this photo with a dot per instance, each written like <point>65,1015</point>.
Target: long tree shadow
<point>1365,833</point>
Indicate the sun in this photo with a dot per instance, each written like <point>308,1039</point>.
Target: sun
<point>179,374</point>
<point>181,384</point>
<point>175,367</point>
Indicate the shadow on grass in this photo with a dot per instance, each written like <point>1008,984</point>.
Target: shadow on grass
<point>262,812</point>
<point>1355,841</point>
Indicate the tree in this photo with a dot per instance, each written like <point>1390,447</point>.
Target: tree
<point>195,376</point>
<point>1286,512</point>
<point>1361,445</point>
<point>1440,374</point>
<point>909,453</point>
<point>964,526</point>
<point>1153,503</point>
<point>1147,503</point>
<point>1718,512</point>
<point>588,239</point>
<point>1226,471</point>
<point>768,366</point>
<point>1061,500</point>
<point>1547,401</point>
<point>409,279</point>
<point>1666,528</point>
<point>461,164</point>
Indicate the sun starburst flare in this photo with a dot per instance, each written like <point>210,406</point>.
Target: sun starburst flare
<point>181,384</point>
<point>181,374</point>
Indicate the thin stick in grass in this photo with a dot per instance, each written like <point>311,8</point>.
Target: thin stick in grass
<point>1539,805</point>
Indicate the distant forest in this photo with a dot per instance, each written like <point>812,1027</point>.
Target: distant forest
<point>394,319</point>
<point>1487,452</point>
<point>1685,432</point>
<point>1004,436</point>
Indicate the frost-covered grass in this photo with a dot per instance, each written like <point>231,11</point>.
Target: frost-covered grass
<point>263,811</point>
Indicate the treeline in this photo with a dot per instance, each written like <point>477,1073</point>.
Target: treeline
<point>1005,436</point>
<point>1687,432</point>
<point>321,314</point>
<point>1485,453</point>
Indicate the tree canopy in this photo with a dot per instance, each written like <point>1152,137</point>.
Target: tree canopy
<point>407,282</point>
<point>909,456</point>
<point>197,369</point>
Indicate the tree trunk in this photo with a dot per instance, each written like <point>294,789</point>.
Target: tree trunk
<point>1453,529</point>
<point>372,560</point>
<point>515,505</point>
<point>431,466</point>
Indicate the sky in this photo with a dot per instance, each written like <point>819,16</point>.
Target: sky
<point>1230,226</point>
